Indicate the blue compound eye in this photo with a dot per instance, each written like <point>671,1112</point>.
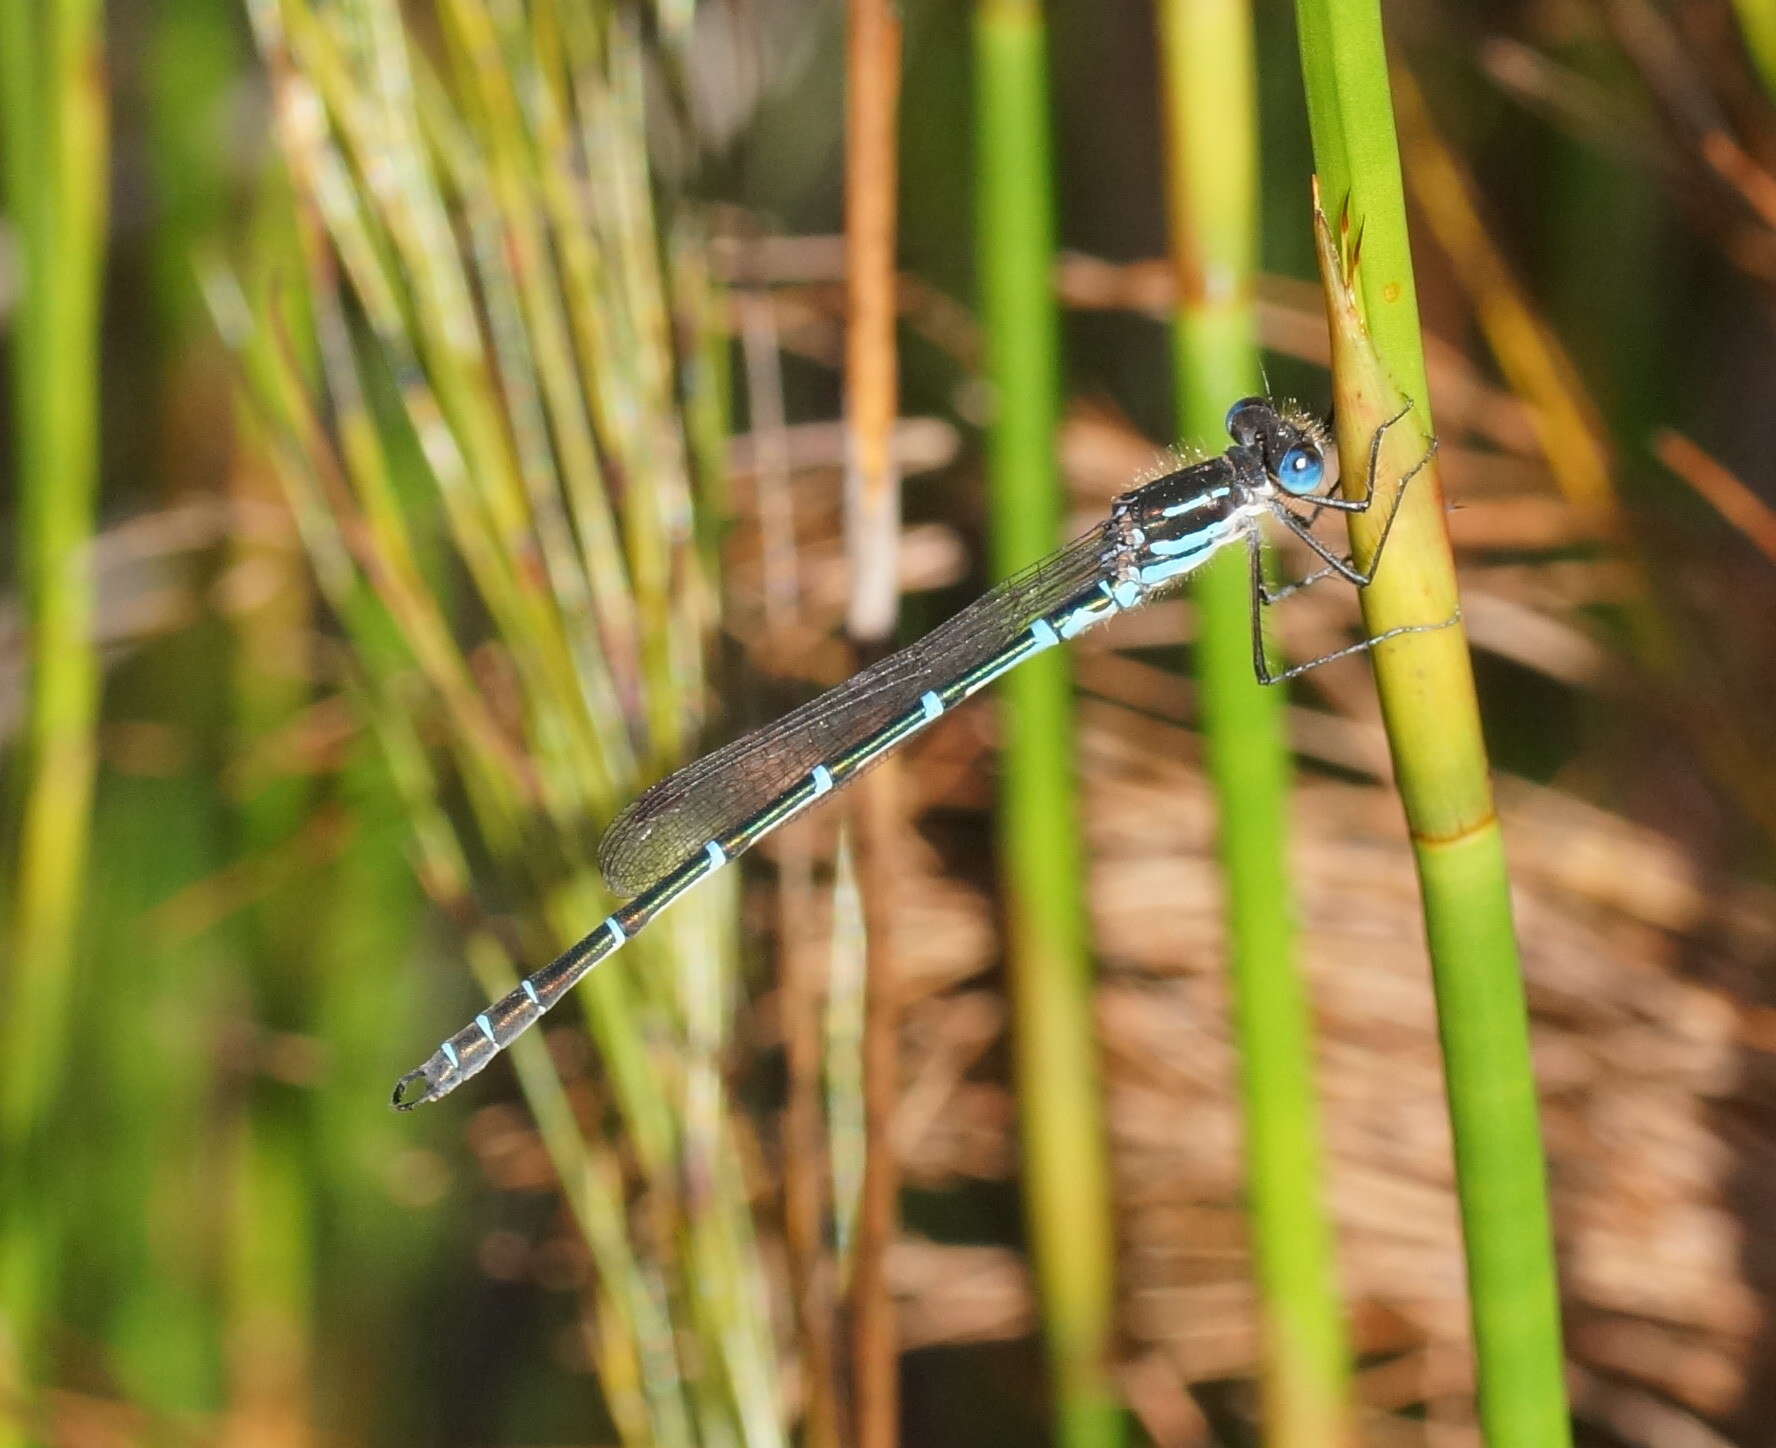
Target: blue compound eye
<point>1301,470</point>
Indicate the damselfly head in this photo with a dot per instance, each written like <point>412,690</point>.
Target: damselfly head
<point>1296,447</point>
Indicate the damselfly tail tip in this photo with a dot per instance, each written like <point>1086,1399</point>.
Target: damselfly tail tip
<point>432,1080</point>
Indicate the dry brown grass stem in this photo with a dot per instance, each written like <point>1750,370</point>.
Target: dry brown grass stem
<point>872,370</point>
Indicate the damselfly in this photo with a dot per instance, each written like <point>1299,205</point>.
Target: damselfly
<point>689,825</point>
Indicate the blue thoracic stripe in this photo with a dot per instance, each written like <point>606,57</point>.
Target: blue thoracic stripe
<point>1201,500</point>
<point>1184,555</point>
<point>1154,574</point>
<point>1192,543</point>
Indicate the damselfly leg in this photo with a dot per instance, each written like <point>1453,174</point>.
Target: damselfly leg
<point>1264,596</point>
<point>1346,567</point>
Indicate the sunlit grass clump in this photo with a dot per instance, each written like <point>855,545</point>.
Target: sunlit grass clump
<point>486,379</point>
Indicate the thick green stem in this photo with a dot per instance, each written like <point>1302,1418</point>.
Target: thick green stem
<point>1206,53</point>
<point>1066,1168</point>
<point>1429,703</point>
<point>54,126</point>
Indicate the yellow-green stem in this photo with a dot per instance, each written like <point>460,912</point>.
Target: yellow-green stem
<point>54,127</point>
<point>1066,1169</point>
<point>1429,703</point>
<point>1209,81</point>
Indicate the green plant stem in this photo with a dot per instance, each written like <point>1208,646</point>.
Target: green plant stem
<point>56,168</point>
<point>1066,1169</point>
<point>1757,19</point>
<point>1212,149</point>
<point>54,127</point>
<point>1357,158</point>
<point>494,332</point>
<point>1431,711</point>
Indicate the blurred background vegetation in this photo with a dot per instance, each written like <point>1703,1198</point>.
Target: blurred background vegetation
<point>425,429</point>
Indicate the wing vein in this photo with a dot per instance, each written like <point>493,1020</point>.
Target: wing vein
<point>706,800</point>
